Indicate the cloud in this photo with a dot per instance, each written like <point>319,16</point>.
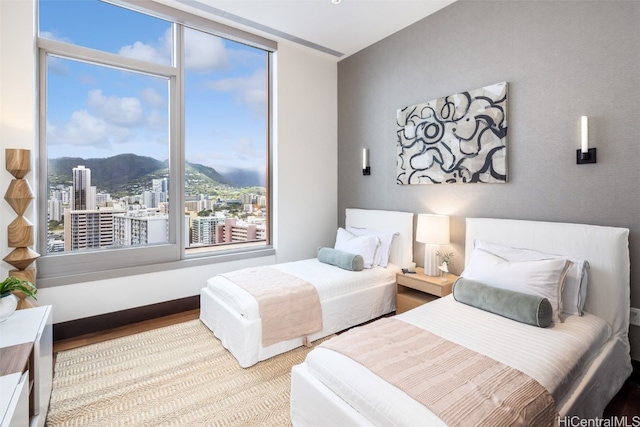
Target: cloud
<point>159,52</point>
<point>85,129</point>
<point>204,52</point>
<point>153,98</point>
<point>250,91</point>
<point>124,111</point>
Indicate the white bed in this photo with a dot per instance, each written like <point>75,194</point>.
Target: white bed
<point>582,361</point>
<point>347,298</point>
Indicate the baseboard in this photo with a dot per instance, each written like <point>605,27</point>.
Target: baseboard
<point>88,325</point>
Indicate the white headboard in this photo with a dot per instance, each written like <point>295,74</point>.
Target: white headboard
<point>606,249</point>
<point>400,222</point>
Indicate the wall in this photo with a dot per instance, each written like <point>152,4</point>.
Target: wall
<point>562,60</point>
<point>305,193</point>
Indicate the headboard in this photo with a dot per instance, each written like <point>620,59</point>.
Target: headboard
<point>606,249</point>
<point>400,222</point>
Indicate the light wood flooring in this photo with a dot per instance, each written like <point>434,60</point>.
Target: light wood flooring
<point>135,328</point>
<point>625,403</point>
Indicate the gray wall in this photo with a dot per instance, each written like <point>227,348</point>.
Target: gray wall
<point>562,59</point>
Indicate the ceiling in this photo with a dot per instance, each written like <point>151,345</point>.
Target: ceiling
<point>337,30</point>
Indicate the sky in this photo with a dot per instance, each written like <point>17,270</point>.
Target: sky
<point>97,112</point>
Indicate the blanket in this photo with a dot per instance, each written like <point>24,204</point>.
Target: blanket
<point>460,386</point>
<point>289,306</point>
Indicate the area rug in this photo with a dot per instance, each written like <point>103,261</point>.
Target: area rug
<point>178,375</point>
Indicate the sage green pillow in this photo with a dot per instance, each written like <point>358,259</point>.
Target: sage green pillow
<point>342,259</point>
<point>530,309</point>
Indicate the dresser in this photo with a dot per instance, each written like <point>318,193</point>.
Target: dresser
<point>26,367</point>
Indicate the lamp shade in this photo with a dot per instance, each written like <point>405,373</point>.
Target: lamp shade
<point>433,229</point>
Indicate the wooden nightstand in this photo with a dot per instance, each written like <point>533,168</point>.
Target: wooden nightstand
<point>415,289</point>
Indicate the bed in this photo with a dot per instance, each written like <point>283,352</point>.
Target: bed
<point>580,361</point>
<point>347,298</point>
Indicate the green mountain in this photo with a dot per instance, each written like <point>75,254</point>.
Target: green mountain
<point>131,174</point>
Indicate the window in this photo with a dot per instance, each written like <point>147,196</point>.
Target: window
<point>154,138</point>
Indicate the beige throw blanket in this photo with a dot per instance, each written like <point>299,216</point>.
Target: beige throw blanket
<point>460,386</point>
<point>289,306</point>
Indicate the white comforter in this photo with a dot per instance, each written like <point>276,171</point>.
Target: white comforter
<point>330,281</point>
<point>554,356</point>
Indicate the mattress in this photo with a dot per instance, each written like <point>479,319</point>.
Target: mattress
<point>554,356</point>
<point>330,282</point>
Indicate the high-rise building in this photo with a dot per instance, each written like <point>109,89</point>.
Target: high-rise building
<point>140,227</point>
<point>88,229</point>
<point>203,230</point>
<point>83,194</point>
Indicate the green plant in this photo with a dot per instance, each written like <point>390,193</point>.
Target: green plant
<point>446,257</point>
<point>10,284</point>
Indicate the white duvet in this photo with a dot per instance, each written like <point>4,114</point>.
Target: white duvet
<point>330,281</point>
<point>554,356</point>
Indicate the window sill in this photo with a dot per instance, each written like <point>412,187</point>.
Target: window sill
<point>195,261</point>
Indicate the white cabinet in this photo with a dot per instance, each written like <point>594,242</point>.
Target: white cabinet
<point>35,374</point>
<point>14,400</point>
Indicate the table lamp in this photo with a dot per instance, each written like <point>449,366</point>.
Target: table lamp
<point>433,231</point>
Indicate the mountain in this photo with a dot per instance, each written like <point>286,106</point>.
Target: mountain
<point>246,177</point>
<point>131,174</point>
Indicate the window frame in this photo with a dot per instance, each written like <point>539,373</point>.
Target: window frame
<point>66,268</point>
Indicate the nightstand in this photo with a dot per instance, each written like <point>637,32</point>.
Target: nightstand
<point>415,289</point>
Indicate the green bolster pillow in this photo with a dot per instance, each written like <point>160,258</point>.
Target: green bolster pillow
<point>344,260</point>
<point>524,308</point>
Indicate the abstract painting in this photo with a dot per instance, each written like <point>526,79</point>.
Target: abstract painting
<point>460,138</point>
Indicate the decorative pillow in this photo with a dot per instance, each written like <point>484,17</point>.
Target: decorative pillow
<point>574,293</point>
<point>344,260</point>
<point>524,308</point>
<point>542,278</point>
<point>366,246</point>
<point>386,238</point>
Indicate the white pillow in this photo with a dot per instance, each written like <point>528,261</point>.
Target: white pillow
<point>386,238</point>
<point>543,278</point>
<point>574,293</point>
<point>366,246</point>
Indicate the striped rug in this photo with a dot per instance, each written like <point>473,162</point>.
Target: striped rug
<point>178,375</point>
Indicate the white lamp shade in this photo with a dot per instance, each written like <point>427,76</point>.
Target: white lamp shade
<point>433,229</point>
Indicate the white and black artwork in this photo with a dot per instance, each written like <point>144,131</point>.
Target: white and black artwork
<point>460,138</point>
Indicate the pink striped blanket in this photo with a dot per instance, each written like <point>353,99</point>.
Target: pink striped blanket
<point>460,386</point>
<point>289,306</point>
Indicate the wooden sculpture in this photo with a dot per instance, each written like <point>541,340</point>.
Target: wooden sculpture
<point>20,232</point>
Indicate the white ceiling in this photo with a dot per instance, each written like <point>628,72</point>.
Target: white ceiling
<point>338,30</point>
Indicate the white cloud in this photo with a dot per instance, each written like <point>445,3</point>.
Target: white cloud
<point>85,129</point>
<point>159,52</point>
<point>124,111</point>
<point>251,91</point>
<point>204,52</point>
<point>153,98</point>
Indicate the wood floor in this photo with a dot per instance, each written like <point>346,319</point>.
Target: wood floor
<point>625,403</point>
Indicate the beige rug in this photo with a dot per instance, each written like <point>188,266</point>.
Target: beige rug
<point>178,375</point>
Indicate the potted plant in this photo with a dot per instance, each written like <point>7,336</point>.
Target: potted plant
<point>8,301</point>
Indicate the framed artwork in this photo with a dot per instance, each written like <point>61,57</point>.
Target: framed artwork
<point>460,138</point>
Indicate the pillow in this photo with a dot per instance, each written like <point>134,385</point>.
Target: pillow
<point>542,278</point>
<point>365,246</point>
<point>386,238</point>
<point>574,293</point>
<point>344,260</point>
<point>523,308</point>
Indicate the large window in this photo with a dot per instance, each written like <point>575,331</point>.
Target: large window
<point>154,133</point>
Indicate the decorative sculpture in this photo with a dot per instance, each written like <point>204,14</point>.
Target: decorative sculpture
<point>20,231</point>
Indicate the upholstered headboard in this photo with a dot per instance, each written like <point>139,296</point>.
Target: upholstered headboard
<point>605,248</point>
<point>400,222</point>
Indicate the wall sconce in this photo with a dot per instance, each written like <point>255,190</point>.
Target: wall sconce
<point>366,169</point>
<point>433,231</point>
<point>585,154</point>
